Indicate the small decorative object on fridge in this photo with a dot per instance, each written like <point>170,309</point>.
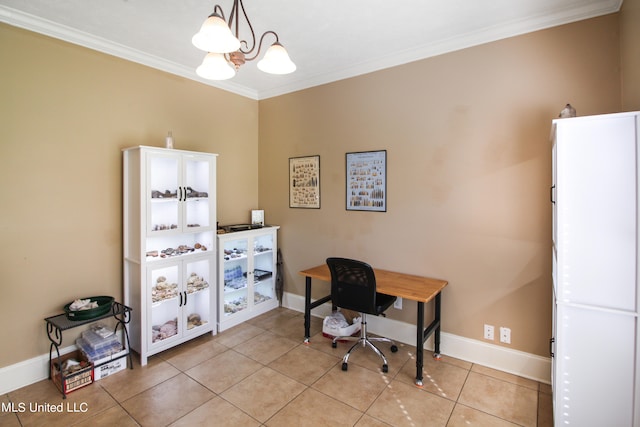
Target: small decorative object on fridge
<point>367,181</point>
<point>567,111</point>
<point>169,141</point>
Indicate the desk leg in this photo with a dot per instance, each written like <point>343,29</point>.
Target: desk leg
<point>436,336</point>
<point>419,344</point>
<point>307,309</point>
<point>423,334</point>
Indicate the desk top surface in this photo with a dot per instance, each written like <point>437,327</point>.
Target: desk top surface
<point>408,286</point>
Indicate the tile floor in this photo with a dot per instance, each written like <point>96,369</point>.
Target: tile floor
<point>261,374</point>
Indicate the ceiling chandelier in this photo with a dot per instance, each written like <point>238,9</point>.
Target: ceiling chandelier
<point>226,51</point>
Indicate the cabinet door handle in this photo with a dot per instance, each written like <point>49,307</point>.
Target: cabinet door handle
<point>179,194</point>
<point>185,297</point>
<point>180,300</point>
<point>551,194</point>
<point>551,341</point>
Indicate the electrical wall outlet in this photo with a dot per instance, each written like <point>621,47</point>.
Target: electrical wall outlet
<point>488,332</point>
<point>505,335</point>
<point>398,303</point>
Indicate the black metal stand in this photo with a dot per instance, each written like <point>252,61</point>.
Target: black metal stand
<point>57,324</point>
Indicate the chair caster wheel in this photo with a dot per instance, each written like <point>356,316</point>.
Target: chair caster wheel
<point>334,344</point>
<point>385,368</point>
<point>344,366</point>
<point>394,348</point>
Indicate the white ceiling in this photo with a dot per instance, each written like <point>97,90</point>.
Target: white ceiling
<point>328,40</point>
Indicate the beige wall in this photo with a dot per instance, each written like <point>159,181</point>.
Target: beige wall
<point>466,135</point>
<point>630,54</point>
<point>66,113</point>
<point>469,170</point>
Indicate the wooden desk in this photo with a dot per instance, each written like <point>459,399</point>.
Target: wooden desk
<point>416,288</point>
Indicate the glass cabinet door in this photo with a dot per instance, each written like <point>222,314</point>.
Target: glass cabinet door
<point>197,293</point>
<point>196,194</point>
<point>263,274</point>
<point>164,290</point>
<point>163,195</point>
<point>235,276</point>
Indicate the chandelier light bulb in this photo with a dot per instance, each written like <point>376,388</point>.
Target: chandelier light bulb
<point>215,67</point>
<point>215,36</point>
<point>276,61</point>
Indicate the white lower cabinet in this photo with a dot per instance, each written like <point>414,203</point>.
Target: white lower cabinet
<point>181,300</point>
<point>246,275</point>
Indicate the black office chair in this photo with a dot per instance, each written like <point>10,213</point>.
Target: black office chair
<point>353,287</point>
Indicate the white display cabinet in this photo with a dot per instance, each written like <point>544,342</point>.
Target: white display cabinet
<point>169,246</point>
<point>246,275</point>
<point>596,339</point>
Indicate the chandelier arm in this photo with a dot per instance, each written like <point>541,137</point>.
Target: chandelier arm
<point>218,10</point>
<point>253,34</point>
<point>260,44</point>
<point>234,15</point>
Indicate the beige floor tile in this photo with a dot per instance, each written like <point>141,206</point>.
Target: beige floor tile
<point>402,404</point>
<point>319,342</point>
<point>463,416</point>
<point>125,384</point>
<point>369,421</point>
<point>438,377</point>
<point>290,327</point>
<point>266,347</point>
<point>368,358</point>
<point>500,398</point>
<point>505,376</point>
<point>238,334</point>
<point>263,393</point>
<point>273,319</point>
<point>184,358</point>
<point>42,397</point>
<point>115,416</point>
<point>545,410</point>
<point>260,373</point>
<point>218,412</point>
<point>167,402</point>
<point>315,409</point>
<point>450,360</point>
<point>223,371</point>
<point>545,388</point>
<point>357,387</point>
<point>304,364</point>
<point>9,413</point>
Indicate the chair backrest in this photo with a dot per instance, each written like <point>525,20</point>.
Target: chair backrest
<point>353,285</point>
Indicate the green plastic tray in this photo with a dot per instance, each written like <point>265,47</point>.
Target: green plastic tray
<point>104,306</point>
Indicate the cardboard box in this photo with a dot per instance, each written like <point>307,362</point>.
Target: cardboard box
<point>330,331</point>
<point>110,365</point>
<point>75,380</point>
<point>109,368</point>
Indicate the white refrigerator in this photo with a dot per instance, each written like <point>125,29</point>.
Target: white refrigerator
<point>595,336</point>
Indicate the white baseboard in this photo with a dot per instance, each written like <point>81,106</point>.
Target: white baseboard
<point>27,372</point>
<point>515,362</point>
<point>504,359</point>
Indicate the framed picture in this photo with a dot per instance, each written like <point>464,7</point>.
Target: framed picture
<point>367,181</point>
<point>304,182</point>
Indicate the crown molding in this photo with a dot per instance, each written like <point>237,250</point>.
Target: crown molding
<point>498,32</point>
